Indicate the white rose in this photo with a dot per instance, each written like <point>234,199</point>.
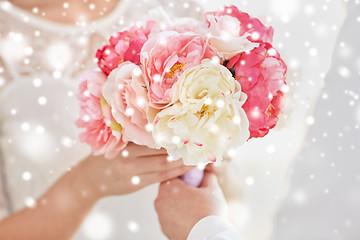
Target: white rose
<point>207,119</point>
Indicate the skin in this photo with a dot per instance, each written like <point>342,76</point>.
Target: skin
<point>180,207</point>
<point>60,211</point>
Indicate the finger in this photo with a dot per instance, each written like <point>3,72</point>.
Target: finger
<point>162,176</point>
<point>157,163</point>
<point>210,168</point>
<point>215,169</point>
<point>140,150</point>
<point>209,180</point>
<point>152,152</point>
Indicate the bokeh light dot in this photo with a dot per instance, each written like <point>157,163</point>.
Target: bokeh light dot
<point>42,100</point>
<point>249,181</point>
<point>39,129</point>
<point>30,202</point>
<point>66,141</point>
<point>25,126</point>
<point>310,120</point>
<point>37,82</point>
<point>125,153</point>
<point>313,52</point>
<point>133,226</point>
<point>97,226</point>
<point>57,74</point>
<point>149,127</point>
<point>135,180</point>
<point>299,197</point>
<point>271,149</point>
<point>26,176</point>
<point>13,111</point>
<point>344,72</point>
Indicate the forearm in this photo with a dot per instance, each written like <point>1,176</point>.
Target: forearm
<point>57,214</point>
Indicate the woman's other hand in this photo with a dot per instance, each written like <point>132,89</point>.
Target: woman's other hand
<point>137,167</point>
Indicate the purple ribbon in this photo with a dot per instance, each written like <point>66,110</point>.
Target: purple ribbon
<point>194,177</point>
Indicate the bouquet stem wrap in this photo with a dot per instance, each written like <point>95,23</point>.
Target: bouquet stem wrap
<point>194,177</point>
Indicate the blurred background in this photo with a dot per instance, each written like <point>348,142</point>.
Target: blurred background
<point>324,197</point>
<point>302,181</point>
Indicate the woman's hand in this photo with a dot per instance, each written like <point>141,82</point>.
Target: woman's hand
<point>138,167</point>
<point>76,192</point>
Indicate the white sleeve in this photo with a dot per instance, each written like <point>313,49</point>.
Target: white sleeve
<point>213,228</point>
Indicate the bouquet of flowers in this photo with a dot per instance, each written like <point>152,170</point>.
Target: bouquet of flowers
<point>196,88</point>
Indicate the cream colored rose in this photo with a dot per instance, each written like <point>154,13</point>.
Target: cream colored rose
<point>207,120</point>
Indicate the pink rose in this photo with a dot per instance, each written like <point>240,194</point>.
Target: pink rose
<point>102,132</point>
<point>261,73</point>
<point>164,58</point>
<point>126,94</point>
<point>124,46</point>
<point>259,33</point>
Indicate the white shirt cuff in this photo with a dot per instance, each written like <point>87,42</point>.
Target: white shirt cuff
<point>213,228</point>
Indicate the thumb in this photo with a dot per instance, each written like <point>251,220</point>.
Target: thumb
<point>209,180</point>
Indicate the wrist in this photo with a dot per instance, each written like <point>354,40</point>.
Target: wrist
<point>71,193</point>
<point>83,187</point>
